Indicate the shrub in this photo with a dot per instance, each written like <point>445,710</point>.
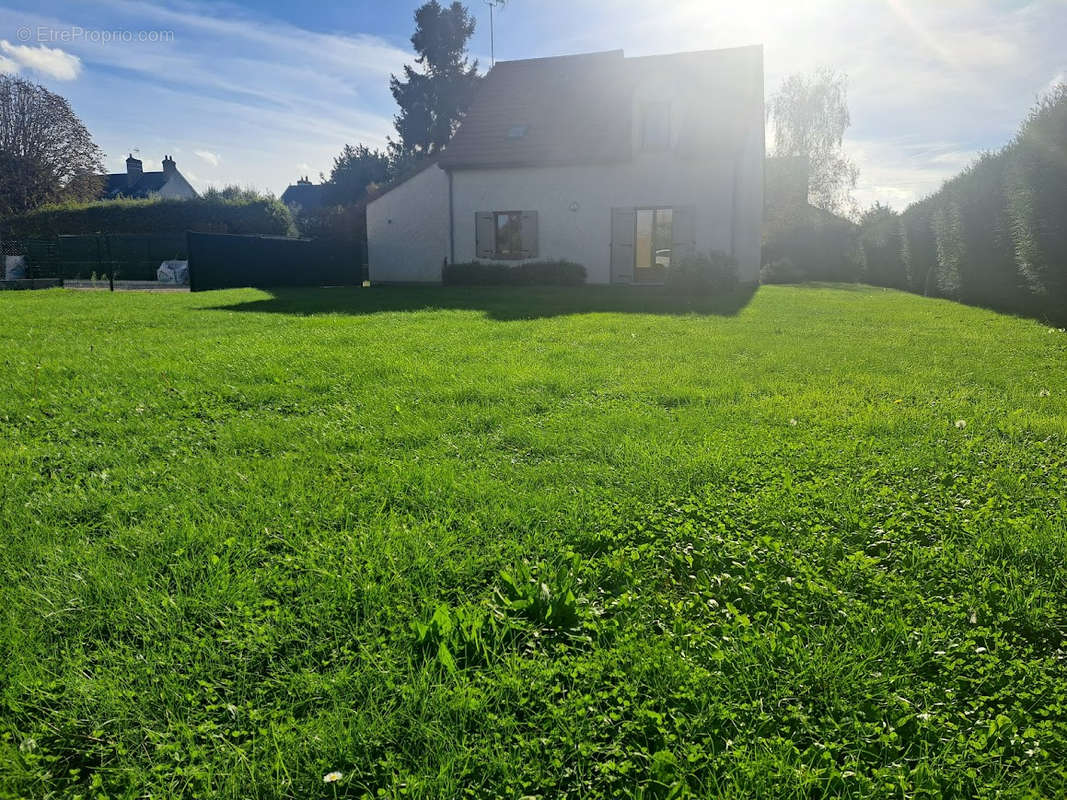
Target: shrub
<point>704,272</point>
<point>531,273</point>
<point>782,270</point>
<point>820,245</point>
<point>347,222</point>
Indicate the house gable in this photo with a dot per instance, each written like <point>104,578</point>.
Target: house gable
<point>625,165</point>
<point>134,183</point>
<point>589,109</point>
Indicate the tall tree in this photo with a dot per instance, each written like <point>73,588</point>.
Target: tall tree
<point>809,117</point>
<point>353,171</point>
<point>46,154</point>
<point>434,96</point>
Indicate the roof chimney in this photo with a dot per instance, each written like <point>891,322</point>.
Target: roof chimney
<point>133,170</point>
<point>168,166</point>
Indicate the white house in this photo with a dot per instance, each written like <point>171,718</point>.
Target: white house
<point>624,165</point>
<point>135,182</point>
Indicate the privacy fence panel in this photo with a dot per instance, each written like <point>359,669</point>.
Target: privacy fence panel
<point>222,261</point>
<point>125,256</point>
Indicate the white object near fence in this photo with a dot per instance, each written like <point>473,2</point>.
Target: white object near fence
<point>173,272</point>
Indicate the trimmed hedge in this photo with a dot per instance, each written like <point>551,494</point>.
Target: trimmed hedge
<point>996,234</point>
<point>532,273</point>
<point>215,214</point>
<point>881,248</point>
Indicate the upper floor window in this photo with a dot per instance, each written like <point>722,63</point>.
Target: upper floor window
<point>655,126</point>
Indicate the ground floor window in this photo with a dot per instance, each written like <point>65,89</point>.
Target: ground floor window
<point>653,237</point>
<point>506,234</point>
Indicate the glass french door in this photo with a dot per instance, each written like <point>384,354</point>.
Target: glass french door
<point>652,244</point>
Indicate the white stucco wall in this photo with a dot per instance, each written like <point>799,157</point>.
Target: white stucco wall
<point>584,235</point>
<point>714,164</point>
<point>177,188</point>
<point>407,230</point>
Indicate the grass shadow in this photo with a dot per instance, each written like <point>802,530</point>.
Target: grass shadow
<point>499,303</point>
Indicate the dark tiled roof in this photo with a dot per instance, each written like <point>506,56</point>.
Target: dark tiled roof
<point>117,186</point>
<point>306,195</point>
<point>577,109</point>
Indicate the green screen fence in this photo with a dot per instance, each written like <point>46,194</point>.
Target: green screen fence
<point>226,261</point>
<point>134,257</point>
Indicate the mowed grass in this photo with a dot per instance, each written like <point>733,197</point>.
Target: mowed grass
<point>549,543</point>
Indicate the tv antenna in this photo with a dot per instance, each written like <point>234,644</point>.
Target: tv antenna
<point>493,4</point>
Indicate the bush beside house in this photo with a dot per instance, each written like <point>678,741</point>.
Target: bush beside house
<point>809,244</point>
<point>705,273</point>
<point>532,273</point>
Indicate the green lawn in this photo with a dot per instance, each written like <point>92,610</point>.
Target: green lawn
<point>556,543</point>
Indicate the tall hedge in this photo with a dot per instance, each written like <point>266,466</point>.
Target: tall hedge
<point>994,235</point>
<point>882,247</point>
<point>213,214</point>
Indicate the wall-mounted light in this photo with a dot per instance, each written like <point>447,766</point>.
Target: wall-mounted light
<point>574,206</point>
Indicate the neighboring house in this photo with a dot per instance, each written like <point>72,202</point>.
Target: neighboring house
<point>624,165</point>
<point>304,195</point>
<point>135,182</point>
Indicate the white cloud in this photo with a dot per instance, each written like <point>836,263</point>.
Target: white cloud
<point>48,61</point>
<point>901,170</point>
<point>212,158</point>
<point>8,67</point>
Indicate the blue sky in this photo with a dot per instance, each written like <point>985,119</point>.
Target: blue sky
<point>258,93</point>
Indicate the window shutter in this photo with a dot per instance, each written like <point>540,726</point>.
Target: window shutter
<point>683,233</point>
<point>484,234</point>
<point>622,245</point>
<point>529,234</point>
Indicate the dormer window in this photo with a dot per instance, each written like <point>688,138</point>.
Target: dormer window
<point>655,126</point>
